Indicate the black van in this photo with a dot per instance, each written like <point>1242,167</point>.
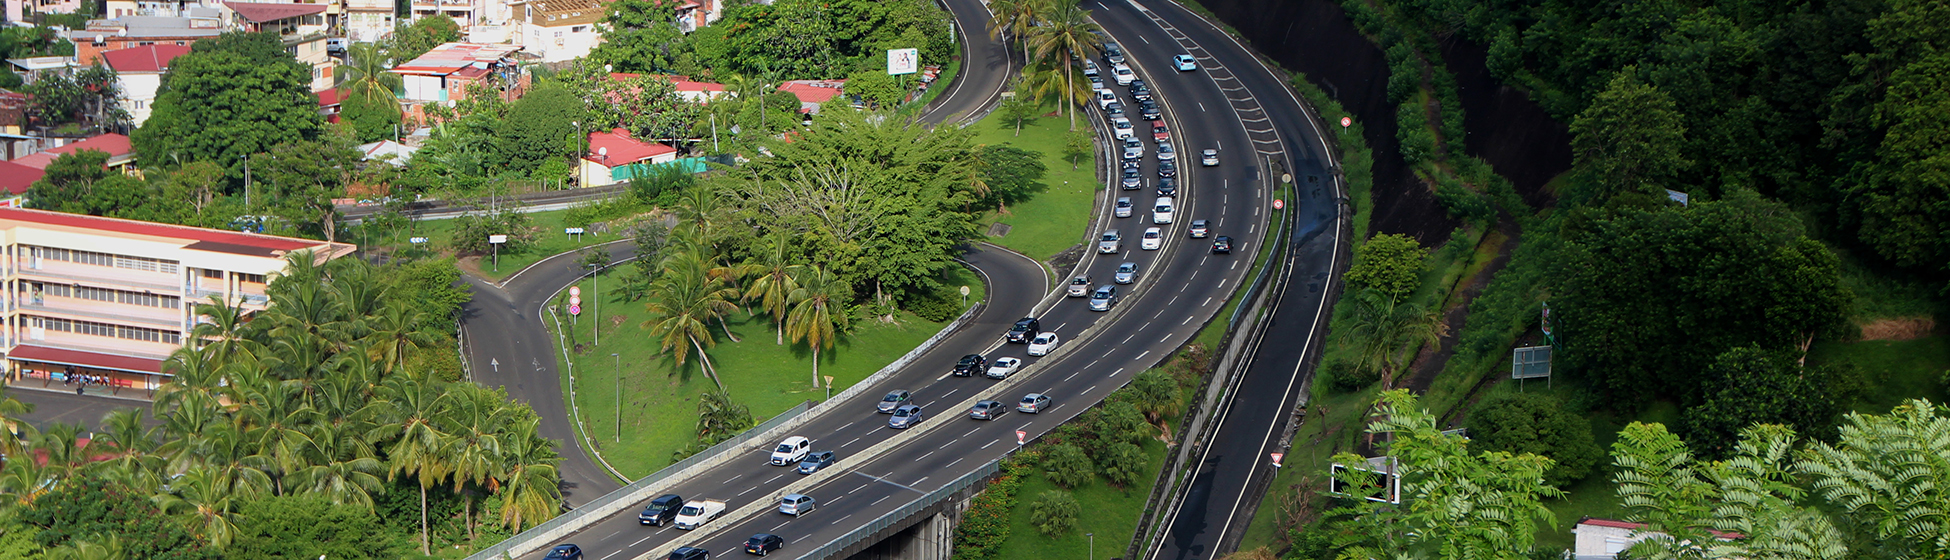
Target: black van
<point>1025,329</point>
<point>661,510</point>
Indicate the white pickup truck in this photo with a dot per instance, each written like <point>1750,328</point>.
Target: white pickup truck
<point>698,512</point>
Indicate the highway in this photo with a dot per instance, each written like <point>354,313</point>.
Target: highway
<point>1181,287</point>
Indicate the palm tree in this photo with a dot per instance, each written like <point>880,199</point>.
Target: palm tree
<point>63,446</point>
<point>1383,328</point>
<point>277,428</point>
<point>1015,18</point>
<point>342,468</point>
<point>474,450</point>
<point>686,297</point>
<point>700,208</point>
<point>719,418</point>
<point>195,373</point>
<point>208,499</point>
<point>397,331</point>
<point>773,283</point>
<point>1067,34</point>
<point>224,328</point>
<point>22,482</point>
<point>134,441</point>
<point>367,76</point>
<point>409,416</point>
<point>816,315</point>
<point>14,433</point>
<point>529,489</point>
<point>96,547</point>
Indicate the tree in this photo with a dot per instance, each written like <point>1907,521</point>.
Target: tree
<point>303,178</point>
<point>307,527</point>
<point>1883,471</point>
<point>1383,329</point>
<point>370,104</point>
<point>1391,264</point>
<point>1745,507</point>
<point>1901,207</point>
<point>1454,504</point>
<point>90,508</point>
<point>686,296</point>
<point>419,35</point>
<point>209,500</point>
<point>1017,109</point>
<point>1055,512</point>
<point>1644,299</point>
<point>92,95</point>
<point>774,280</point>
<point>1014,18</point>
<point>1122,463</point>
<point>1066,33</point>
<point>538,128</point>
<point>1156,395</point>
<point>1066,465</point>
<point>640,36</point>
<point>409,416</point>
<point>14,433</point>
<point>531,489</point>
<point>1537,425</point>
<point>218,105</point>
<point>1013,175</point>
<point>1629,139</point>
<point>874,86</point>
<point>1748,385</point>
<point>1077,144</point>
<point>818,313</point>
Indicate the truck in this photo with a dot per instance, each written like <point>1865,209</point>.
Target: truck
<point>698,512</point>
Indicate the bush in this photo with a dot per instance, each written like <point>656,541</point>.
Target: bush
<point>1343,377</point>
<point>1390,264</point>
<point>1118,421</point>
<point>471,233</point>
<point>1532,423</point>
<point>1066,465</point>
<point>1122,463</point>
<point>985,526</point>
<point>1055,512</point>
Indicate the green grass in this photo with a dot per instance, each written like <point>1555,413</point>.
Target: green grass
<point>1111,513</point>
<point>659,412</point>
<point>439,233</point>
<point>1056,218</point>
<point>1894,370</point>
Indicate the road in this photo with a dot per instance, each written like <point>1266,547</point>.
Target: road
<point>1180,288</point>
<point>1223,493</point>
<point>985,67</point>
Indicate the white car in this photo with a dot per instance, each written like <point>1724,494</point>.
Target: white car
<point>791,451</point>
<point>1105,98</point>
<point>1153,239</point>
<point>1003,367</point>
<point>1043,344</point>
<point>1161,214</point>
<point>1208,158</point>
<point>1089,67</point>
<point>1080,286</point>
<point>1123,128</point>
<point>1166,152</point>
<point>1123,75</point>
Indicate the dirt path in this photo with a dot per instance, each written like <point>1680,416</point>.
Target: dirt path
<point>1429,362</point>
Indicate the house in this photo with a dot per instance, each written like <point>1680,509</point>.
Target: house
<point>140,70</point>
<point>1604,539</point>
<point>388,151</point>
<point>691,90</point>
<point>329,102</point>
<point>367,21</point>
<point>442,74</point>
<point>613,156</point>
<point>559,30</point>
<point>103,35</point>
<point>22,10</point>
<point>14,179</point>
<point>811,93</point>
<point>301,26</point>
<point>30,69</point>
<point>120,153</point>
<point>111,299</point>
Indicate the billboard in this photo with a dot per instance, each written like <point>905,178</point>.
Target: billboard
<point>903,61</point>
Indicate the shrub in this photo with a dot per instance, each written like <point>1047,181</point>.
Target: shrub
<point>1532,423</point>
<point>985,526</point>
<point>1122,463</point>
<point>1343,377</point>
<point>1055,512</point>
<point>1066,465</point>
<point>1119,421</point>
<point>1390,264</point>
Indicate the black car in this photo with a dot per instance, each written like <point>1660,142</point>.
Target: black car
<point>1222,245</point>
<point>1167,170</point>
<point>690,553</point>
<point>970,364</point>
<point>815,461</point>
<point>763,544</point>
<point>661,510</point>
<point>1167,187</point>
<point>1140,91</point>
<point>1150,111</point>
<point>564,552</point>
<point>1133,178</point>
<point>1025,329</point>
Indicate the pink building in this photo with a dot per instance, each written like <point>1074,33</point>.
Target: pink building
<point>110,299</point>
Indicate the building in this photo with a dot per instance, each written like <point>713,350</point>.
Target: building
<point>692,14</point>
<point>32,68</point>
<point>1605,539</point>
<point>140,70</point>
<point>110,299</point>
<point>612,157</point>
<point>121,154</point>
<point>23,10</point>
<point>103,35</point>
<point>811,93</point>
<point>442,74</point>
<point>367,21</point>
<point>691,90</point>
<point>14,180</point>
<point>301,26</point>
<point>559,30</point>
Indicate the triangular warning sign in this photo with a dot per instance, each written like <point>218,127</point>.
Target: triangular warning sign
<point>1276,458</point>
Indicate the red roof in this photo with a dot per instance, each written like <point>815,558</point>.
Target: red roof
<point>683,83</point>
<point>266,13</point>
<point>1616,524</point>
<point>68,357</point>
<point>15,178</point>
<point>813,91</point>
<point>114,144</point>
<point>618,148</point>
<point>152,58</point>
<point>194,234</point>
<point>330,97</point>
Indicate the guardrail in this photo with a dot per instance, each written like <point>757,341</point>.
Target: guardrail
<point>624,497</point>
<point>833,547</point>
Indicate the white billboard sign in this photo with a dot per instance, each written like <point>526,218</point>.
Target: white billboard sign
<point>903,61</point>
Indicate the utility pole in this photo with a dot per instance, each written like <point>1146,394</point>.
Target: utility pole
<point>619,395</point>
<point>595,276</point>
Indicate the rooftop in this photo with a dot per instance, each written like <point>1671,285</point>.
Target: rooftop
<point>152,58</point>
<point>15,178</point>
<point>452,57</point>
<point>256,12</point>
<point>813,91</point>
<point>112,143</point>
<point>618,148</point>
<point>683,83</point>
<point>192,237</point>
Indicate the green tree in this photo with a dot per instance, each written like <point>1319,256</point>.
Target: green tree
<point>1055,512</point>
<point>14,432</point>
<point>303,177</point>
<point>640,36</point>
<point>1391,264</point>
<point>1901,207</point>
<point>774,280</point>
<point>208,500</point>
<point>1744,507</point>
<point>1013,175</point>
<point>538,128</point>
<point>874,86</point>
<point>684,298</point>
<point>1066,465</point>
<point>408,416</point>
<point>718,418</point>
<point>1882,471</point>
<point>1629,139</point>
<point>1077,144</point>
<point>1155,394</point>
<point>1017,110</point>
<point>90,508</point>
<point>1066,33</point>
<point>818,313</point>
<point>306,527</point>
<point>530,489</point>
<point>218,105</point>
<point>1015,18</point>
<point>1122,463</point>
<point>370,104</point>
<point>1537,425</point>
<point>1748,385</point>
<point>412,38</point>
<point>1383,330</point>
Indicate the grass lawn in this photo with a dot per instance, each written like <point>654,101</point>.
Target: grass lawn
<point>1111,513</point>
<point>659,408</point>
<point>1056,218</point>
<point>1894,370</point>
<point>440,233</point>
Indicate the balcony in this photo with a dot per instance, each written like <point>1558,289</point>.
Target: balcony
<point>105,312</point>
<point>158,282</point>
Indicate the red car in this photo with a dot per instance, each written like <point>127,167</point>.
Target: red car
<point>1159,133</point>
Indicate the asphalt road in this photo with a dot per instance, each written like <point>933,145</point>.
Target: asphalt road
<point>63,406</point>
<point>1222,495</point>
<point>985,68</point>
<point>1180,288</point>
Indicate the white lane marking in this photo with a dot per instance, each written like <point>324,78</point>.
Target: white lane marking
<point>780,526</point>
<point>1201,107</point>
<point>640,541</point>
<point>1249,229</point>
<point>1146,41</point>
<point>950,442</point>
<point>1235,265</point>
<point>1188,318</point>
<point>1194,275</point>
<point>1208,301</point>
<point>1092,363</point>
<point>862,487</point>
<point>957,460</point>
<point>924,455</point>
<point>877,502</point>
<point>849,424</point>
<point>774,478</point>
<point>1126,339</point>
<point>943,376</point>
<point>613,553</point>
<point>1072,374</point>
<point>1086,391</point>
<point>734,478</point>
<point>918,482</point>
<point>1114,373</point>
<point>849,443</point>
<point>1059,327</point>
<point>1174,299</point>
<point>986,445</point>
<point>748,490</point>
<point>1142,355</point>
<point>971,432</point>
<point>842,518</point>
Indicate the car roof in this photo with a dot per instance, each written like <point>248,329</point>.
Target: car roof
<point>908,407</point>
<point>1032,395</point>
<point>795,439</point>
<point>794,496</point>
<point>1106,289</point>
<point>1127,265</point>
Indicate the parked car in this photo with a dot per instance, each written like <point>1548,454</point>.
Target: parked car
<point>690,553</point>
<point>1208,158</point>
<point>1154,239</point>
<point>1123,209</point>
<point>1126,273</point>
<point>1222,245</point>
<point>893,400</point>
<point>763,544</point>
<point>1185,63</point>
<point>661,510</point>
<point>1003,367</point>
<point>1033,403</point>
<point>988,410</point>
<point>797,504</point>
<point>791,451</point>
<point>1079,287</point>
<point>1043,344</point>
<point>1159,133</point>
<point>1110,242</point>
<point>1104,298</point>
<point>1025,328</point>
<point>906,416</point>
<point>1161,214</point>
<point>564,552</point>
<point>815,461</point>
<point>969,364</point>
<point>1200,229</point>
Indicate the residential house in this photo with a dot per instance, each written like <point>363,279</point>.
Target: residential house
<point>692,14</point>
<point>691,90</point>
<point>302,26</point>
<point>14,180</point>
<point>31,69</point>
<point>13,125</point>
<point>368,21</point>
<point>110,299</point>
<point>1605,539</point>
<point>154,8</point>
<point>121,154</point>
<point>140,70</point>
<point>442,74</point>
<point>388,151</point>
<point>559,30</point>
<point>103,35</point>
<point>465,12</point>
<point>613,157</point>
<point>23,10</point>
<point>811,93</point>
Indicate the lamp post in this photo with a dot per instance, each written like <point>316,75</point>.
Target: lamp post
<point>619,395</point>
<point>1093,545</point>
<point>580,139</point>
<point>597,292</point>
<point>247,181</point>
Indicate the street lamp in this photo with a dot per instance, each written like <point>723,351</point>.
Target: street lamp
<point>619,395</point>
<point>580,139</point>
<point>1093,545</point>
<point>597,292</point>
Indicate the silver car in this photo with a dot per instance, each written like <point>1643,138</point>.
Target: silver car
<point>1080,286</point>
<point>1123,207</point>
<point>1111,242</point>
<point>1104,298</point>
<point>1126,273</point>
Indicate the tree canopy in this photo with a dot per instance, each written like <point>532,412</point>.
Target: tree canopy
<point>228,99</point>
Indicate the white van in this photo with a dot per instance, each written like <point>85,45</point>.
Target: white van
<point>1161,214</point>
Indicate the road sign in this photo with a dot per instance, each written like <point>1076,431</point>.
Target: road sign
<point>903,61</point>
<point>575,290</point>
<point>964,291</point>
<point>416,240</point>
<point>575,309</point>
<point>1020,436</point>
<point>1276,458</point>
<point>1279,204</point>
<point>572,231</point>
<point>575,300</point>
<point>1346,122</point>
<point>497,239</point>
<point>829,380</point>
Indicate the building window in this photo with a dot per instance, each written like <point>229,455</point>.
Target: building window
<point>579,29</point>
<point>250,278</point>
<point>107,330</point>
<point>212,273</point>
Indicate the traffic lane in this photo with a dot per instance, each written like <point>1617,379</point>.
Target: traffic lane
<point>62,405</point>
<point>1302,137</point>
<point>985,68</point>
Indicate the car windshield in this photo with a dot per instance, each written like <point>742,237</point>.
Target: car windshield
<point>901,412</point>
<point>1110,237</point>
<point>785,447</point>
<point>1029,400</point>
<point>690,510</point>
<point>1043,339</point>
<point>891,397</point>
<point>1127,267</point>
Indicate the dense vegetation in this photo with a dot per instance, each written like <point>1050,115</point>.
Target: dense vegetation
<point>787,39</point>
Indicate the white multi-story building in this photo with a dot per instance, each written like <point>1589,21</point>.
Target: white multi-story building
<point>559,30</point>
